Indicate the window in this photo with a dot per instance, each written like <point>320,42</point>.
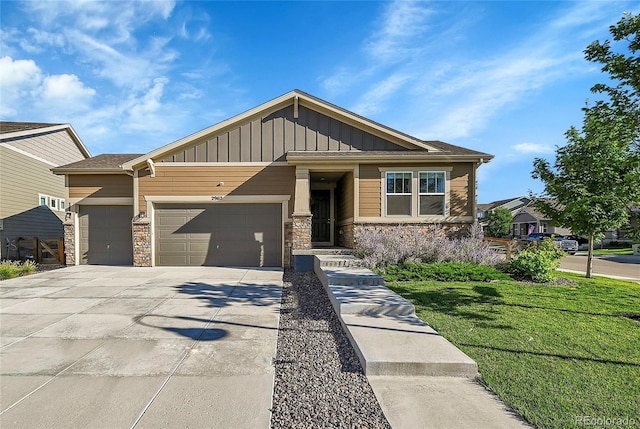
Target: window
<point>399,195</point>
<point>432,193</point>
<point>56,204</point>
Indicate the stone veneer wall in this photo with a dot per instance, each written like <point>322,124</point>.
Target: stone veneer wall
<point>288,239</point>
<point>141,243</point>
<point>69,242</point>
<point>301,234</point>
<point>450,229</point>
<point>345,235</point>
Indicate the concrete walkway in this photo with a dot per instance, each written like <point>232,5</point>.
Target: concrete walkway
<point>121,347</point>
<point>420,379</point>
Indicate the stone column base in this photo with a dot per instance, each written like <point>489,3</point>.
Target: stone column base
<point>69,243</point>
<point>141,243</point>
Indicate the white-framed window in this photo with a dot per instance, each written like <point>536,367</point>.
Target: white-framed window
<point>399,193</point>
<point>431,193</point>
<point>415,192</point>
<point>54,203</point>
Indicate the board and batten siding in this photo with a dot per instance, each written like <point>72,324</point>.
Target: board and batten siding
<point>100,186</point>
<point>217,181</point>
<point>269,138</point>
<point>55,146</point>
<point>460,186</point>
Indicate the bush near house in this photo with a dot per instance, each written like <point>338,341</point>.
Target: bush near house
<point>538,263</point>
<point>382,248</point>
<point>442,272</point>
<point>11,269</point>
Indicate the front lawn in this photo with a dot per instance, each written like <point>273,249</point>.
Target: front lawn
<point>555,353</point>
<point>625,251</point>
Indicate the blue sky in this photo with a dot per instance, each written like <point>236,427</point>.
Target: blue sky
<point>507,78</point>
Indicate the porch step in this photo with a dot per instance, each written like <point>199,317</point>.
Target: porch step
<point>339,261</point>
<point>330,251</point>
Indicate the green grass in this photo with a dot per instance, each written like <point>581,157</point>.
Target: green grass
<point>11,269</point>
<point>551,352</point>
<point>627,251</point>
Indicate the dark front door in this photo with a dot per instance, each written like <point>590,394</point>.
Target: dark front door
<point>321,216</point>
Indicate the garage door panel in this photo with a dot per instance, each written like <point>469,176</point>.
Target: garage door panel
<point>220,234</point>
<point>105,235</point>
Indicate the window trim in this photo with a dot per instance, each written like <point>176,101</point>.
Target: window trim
<point>410,193</point>
<point>415,195</point>
<point>59,204</point>
<point>443,193</point>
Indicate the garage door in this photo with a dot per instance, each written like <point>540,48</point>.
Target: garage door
<point>247,235</point>
<point>105,235</point>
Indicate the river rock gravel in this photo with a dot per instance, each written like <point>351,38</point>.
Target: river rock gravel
<point>319,382</point>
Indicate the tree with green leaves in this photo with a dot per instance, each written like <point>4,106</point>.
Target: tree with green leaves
<point>596,177</point>
<point>498,222</point>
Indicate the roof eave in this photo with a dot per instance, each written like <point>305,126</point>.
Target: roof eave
<point>69,171</point>
<point>368,158</point>
<point>68,127</point>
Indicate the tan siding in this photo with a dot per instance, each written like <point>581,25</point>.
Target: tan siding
<point>370,197</point>
<point>100,186</point>
<point>369,191</point>
<point>345,197</point>
<point>22,178</point>
<point>57,147</point>
<point>460,186</point>
<point>270,138</point>
<point>205,181</point>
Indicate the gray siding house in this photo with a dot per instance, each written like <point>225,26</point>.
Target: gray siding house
<point>33,200</point>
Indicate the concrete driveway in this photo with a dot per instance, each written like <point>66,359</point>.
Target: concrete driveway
<point>626,267</point>
<point>122,347</point>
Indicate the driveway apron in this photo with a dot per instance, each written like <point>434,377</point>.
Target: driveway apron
<point>124,347</point>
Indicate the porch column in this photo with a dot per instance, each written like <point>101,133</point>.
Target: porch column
<point>301,211</point>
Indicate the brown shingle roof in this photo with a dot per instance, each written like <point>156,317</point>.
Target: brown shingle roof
<point>12,127</point>
<point>106,161</point>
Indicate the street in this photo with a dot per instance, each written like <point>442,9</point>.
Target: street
<point>616,266</point>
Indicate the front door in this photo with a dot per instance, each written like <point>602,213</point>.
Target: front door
<point>321,221</point>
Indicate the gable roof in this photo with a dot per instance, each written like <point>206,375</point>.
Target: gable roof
<point>11,130</point>
<point>297,98</point>
<point>105,163</point>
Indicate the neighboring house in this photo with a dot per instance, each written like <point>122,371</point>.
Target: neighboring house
<point>268,184</point>
<point>33,199</point>
<point>513,204</point>
<point>529,220</point>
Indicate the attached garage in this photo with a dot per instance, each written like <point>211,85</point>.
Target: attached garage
<point>105,235</point>
<point>219,234</point>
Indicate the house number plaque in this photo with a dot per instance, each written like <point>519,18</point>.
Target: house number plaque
<point>216,197</point>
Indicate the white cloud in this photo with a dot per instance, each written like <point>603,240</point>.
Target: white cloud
<point>402,22</point>
<point>533,148</point>
<point>18,79</point>
<point>66,87</point>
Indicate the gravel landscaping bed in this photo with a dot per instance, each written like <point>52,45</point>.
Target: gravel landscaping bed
<point>319,381</point>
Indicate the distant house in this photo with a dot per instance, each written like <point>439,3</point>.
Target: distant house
<point>529,220</point>
<point>513,204</point>
<point>33,200</point>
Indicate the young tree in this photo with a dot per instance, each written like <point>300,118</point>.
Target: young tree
<point>596,176</point>
<point>498,222</point>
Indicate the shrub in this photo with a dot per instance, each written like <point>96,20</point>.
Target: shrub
<point>537,263</point>
<point>443,272</point>
<point>11,269</point>
<point>381,248</point>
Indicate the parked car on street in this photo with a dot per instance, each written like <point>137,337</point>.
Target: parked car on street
<point>565,244</point>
